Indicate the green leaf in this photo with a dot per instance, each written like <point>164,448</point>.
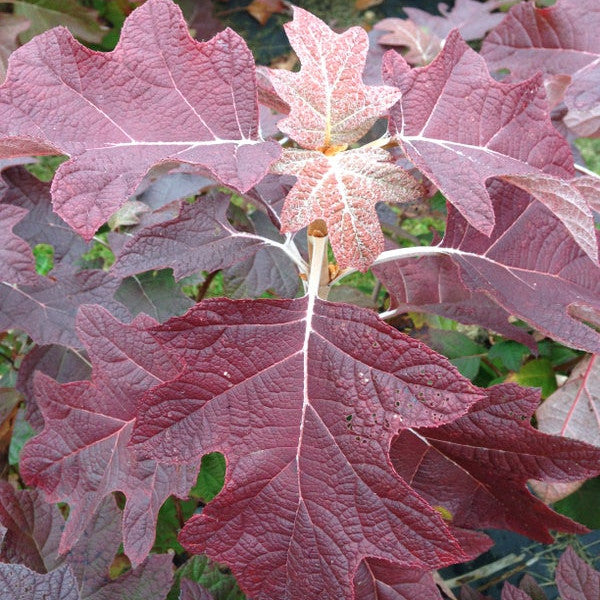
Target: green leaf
<point>583,505</point>
<point>463,352</point>
<point>44,258</point>
<point>22,431</point>
<point>538,373</point>
<point>46,14</point>
<point>216,579</point>
<point>170,517</point>
<point>509,354</point>
<point>211,477</point>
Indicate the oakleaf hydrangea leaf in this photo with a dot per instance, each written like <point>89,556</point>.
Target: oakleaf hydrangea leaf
<point>159,97</point>
<point>343,190</point>
<point>330,106</point>
<point>303,398</point>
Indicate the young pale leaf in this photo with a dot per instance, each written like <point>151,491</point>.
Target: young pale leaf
<point>576,580</point>
<point>343,190</point>
<point>553,39</point>
<point>159,97</point>
<point>81,456</point>
<point>303,398</point>
<point>460,127</point>
<point>330,106</point>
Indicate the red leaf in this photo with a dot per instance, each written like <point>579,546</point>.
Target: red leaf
<point>199,239</point>
<point>33,529</point>
<point>330,106</point>
<point>530,267</point>
<point>158,97</point>
<point>303,398</point>
<point>47,309</point>
<point>477,467</point>
<point>378,580</point>
<point>460,127</point>
<point>82,455</point>
<point>576,580</point>
<point>343,190</point>
<point>552,39</point>
<point>17,264</point>
<point>572,411</point>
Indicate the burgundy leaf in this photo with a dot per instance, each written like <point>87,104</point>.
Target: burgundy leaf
<point>572,411</point>
<point>529,585</point>
<point>91,557</point>
<point>199,239</point>
<point>330,106</point>
<point>41,225</point>
<point>17,264</point>
<point>552,39</point>
<point>378,580</point>
<point>303,398</point>
<point>510,592</point>
<point>155,294</point>
<point>159,97</point>
<point>343,190</point>
<point>472,19</point>
<point>47,309</point>
<point>60,363</point>
<point>576,580</point>
<point>530,267</point>
<point>17,581</point>
<point>82,455</point>
<point>460,127</point>
<point>477,467</point>
<point>33,529</point>
<point>268,269</point>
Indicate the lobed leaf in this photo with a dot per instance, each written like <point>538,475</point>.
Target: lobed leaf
<point>529,267</point>
<point>343,190</point>
<point>81,456</point>
<point>458,465</point>
<point>552,39</point>
<point>330,106</point>
<point>302,397</point>
<point>576,580</point>
<point>149,102</point>
<point>460,127</point>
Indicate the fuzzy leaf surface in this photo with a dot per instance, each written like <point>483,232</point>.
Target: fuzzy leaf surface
<point>458,465</point>
<point>330,106</point>
<point>460,127</point>
<point>343,190</point>
<point>159,97</point>
<point>81,456</point>
<point>576,580</point>
<point>530,267</point>
<point>302,397</point>
<point>552,39</point>
<point>199,239</point>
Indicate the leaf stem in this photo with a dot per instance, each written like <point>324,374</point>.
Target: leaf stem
<point>586,171</point>
<point>318,277</point>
